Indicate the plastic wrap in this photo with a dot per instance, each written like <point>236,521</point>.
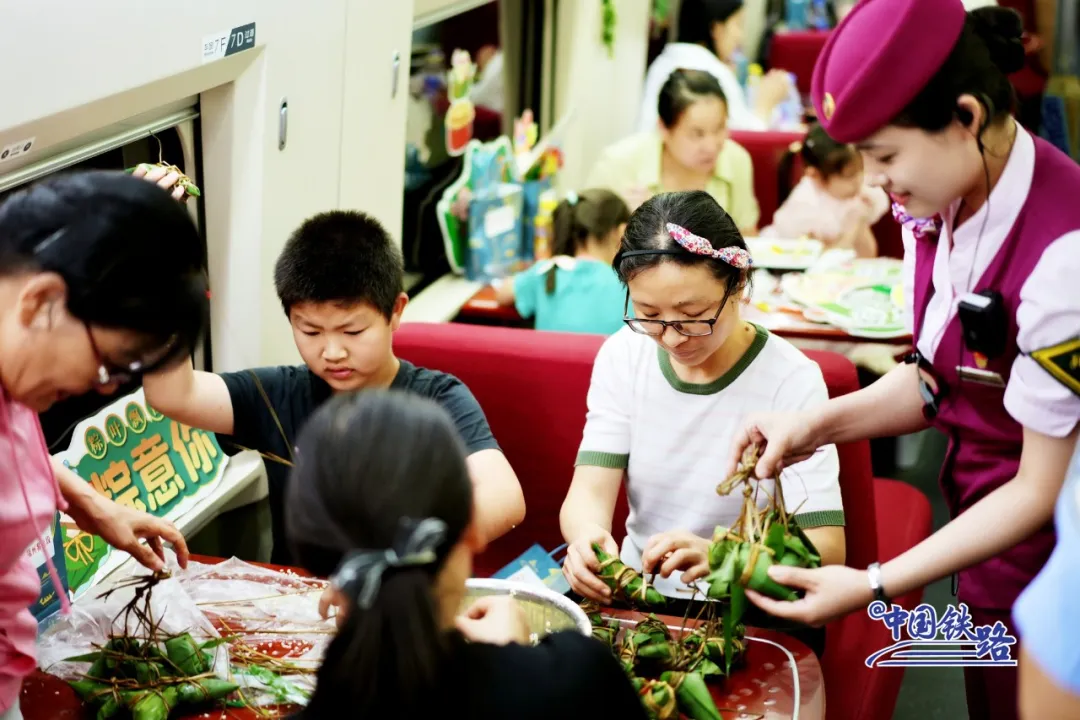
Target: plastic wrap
<point>269,612</point>
<point>275,638</point>
<point>94,618</point>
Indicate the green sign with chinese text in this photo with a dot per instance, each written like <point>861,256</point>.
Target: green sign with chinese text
<point>133,455</point>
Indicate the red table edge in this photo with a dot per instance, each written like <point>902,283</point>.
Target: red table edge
<point>799,652</point>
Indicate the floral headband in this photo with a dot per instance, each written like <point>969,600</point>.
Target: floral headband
<point>734,256</point>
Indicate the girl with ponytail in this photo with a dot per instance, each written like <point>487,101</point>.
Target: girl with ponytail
<point>576,290</point>
<point>381,503</point>
<point>831,203</point>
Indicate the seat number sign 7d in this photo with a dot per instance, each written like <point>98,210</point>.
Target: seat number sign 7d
<point>228,42</point>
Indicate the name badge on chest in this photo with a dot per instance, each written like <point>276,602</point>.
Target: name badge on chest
<point>979,376</point>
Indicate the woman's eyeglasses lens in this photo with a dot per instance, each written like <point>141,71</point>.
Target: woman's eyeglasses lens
<point>655,328</point>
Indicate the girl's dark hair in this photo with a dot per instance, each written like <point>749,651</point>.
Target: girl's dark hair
<point>130,255</point>
<point>684,88</point>
<point>364,462</point>
<point>819,151</point>
<point>696,211</point>
<point>696,19</point>
<point>989,49</point>
<point>593,213</point>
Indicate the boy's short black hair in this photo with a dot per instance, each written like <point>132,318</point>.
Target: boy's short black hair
<point>341,256</point>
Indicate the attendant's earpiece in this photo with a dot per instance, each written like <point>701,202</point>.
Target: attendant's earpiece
<point>966,117</point>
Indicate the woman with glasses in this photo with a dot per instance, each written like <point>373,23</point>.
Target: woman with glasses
<point>668,394</point>
<point>101,281</point>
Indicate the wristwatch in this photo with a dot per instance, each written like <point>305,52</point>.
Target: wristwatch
<point>873,574</point>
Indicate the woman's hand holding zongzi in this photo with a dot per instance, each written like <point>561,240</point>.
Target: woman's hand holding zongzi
<point>832,592</point>
<point>676,550</point>
<point>582,569</point>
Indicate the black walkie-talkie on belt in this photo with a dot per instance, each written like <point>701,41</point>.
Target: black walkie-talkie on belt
<point>985,328</point>
<point>982,317</point>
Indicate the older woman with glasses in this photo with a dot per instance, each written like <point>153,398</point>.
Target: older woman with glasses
<point>668,394</point>
<point>101,280</point>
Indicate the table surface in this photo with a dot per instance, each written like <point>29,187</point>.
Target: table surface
<point>782,678</point>
<point>784,320</point>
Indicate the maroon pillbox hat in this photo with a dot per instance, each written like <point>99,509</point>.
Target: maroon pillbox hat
<point>878,60</point>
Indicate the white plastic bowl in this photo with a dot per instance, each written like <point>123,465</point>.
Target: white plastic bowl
<point>546,610</point>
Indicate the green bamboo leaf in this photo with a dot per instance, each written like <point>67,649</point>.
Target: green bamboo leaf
<point>205,690</point>
<point>776,540</point>
<point>692,695</point>
<point>185,654</point>
<point>109,709</point>
<point>738,605</point>
<point>87,689</point>
<point>89,657</point>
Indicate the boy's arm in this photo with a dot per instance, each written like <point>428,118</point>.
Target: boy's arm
<point>499,504</point>
<point>195,398</point>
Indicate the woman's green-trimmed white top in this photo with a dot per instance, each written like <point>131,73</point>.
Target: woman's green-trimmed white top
<point>673,437</point>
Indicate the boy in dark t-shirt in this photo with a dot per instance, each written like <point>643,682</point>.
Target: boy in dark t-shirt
<point>340,280</point>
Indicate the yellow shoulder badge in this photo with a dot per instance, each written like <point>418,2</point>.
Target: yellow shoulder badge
<point>1063,362</point>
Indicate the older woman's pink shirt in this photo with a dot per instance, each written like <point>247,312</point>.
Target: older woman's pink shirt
<point>29,498</point>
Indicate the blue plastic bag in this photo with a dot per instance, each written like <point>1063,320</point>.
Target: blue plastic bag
<point>48,602</point>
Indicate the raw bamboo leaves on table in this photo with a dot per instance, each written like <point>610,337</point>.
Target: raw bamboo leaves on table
<point>149,674</point>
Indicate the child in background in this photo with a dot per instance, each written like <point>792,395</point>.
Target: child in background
<point>577,290</point>
<point>831,203</point>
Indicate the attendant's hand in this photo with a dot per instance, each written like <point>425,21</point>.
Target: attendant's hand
<point>163,178</point>
<point>582,569</point>
<point>495,620</point>
<point>832,592</point>
<point>124,528</point>
<point>788,437</point>
<point>677,550</point>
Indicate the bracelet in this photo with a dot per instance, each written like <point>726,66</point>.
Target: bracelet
<point>873,573</point>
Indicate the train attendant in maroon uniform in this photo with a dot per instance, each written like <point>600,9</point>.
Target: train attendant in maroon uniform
<point>992,251</point>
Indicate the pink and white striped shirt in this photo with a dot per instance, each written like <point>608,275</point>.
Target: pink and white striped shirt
<point>29,499</point>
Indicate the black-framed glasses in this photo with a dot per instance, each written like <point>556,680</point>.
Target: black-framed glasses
<point>121,373</point>
<point>656,328</point>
